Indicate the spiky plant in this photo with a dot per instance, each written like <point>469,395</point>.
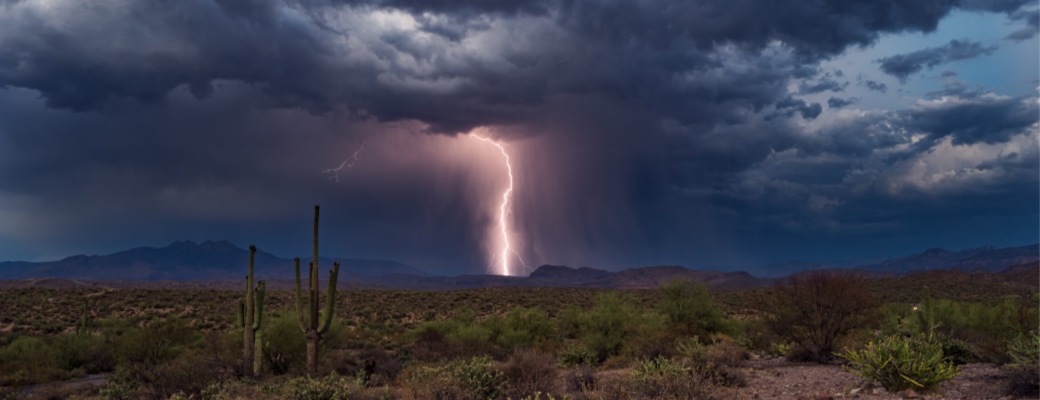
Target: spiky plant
<point>250,318</point>
<point>310,324</point>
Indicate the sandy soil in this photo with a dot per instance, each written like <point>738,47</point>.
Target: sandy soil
<point>779,379</point>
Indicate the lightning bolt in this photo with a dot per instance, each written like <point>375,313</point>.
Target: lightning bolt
<point>505,208</point>
<point>348,164</point>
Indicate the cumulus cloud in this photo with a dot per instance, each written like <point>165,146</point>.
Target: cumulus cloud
<point>903,65</point>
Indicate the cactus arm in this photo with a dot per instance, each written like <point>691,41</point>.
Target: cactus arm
<point>330,300</point>
<point>312,308</point>
<point>241,313</point>
<point>299,298</point>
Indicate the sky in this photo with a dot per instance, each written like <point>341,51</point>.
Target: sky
<point>709,134</point>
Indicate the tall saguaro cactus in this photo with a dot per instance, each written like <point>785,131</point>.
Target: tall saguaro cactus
<point>310,325</point>
<point>251,318</point>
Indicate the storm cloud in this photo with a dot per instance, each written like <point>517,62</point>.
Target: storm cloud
<point>641,132</point>
<point>903,65</point>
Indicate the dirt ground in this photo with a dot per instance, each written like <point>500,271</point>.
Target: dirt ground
<point>779,379</point>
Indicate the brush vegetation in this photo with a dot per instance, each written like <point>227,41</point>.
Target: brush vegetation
<point>680,341</point>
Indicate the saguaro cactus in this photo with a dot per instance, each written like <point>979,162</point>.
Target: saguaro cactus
<point>310,325</point>
<point>250,317</point>
<point>83,328</point>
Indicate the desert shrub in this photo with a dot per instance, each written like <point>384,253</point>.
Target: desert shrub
<point>580,379</point>
<point>606,327</point>
<point>813,310</point>
<point>156,343</point>
<point>899,363</point>
<point>186,375</point>
<point>331,387</point>
<point>529,372</point>
<point>662,378</point>
<point>285,347</point>
<point>893,317</point>
<point>72,351</point>
<point>988,327</point>
<point>651,345</point>
<point>955,351</point>
<point>717,362</point>
<point>463,379</point>
<point>28,360</point>
<point>115,391</point>
<point>577,354</point>
<point>520,327</point>
<point>659,366</point>
<point>687,306</point>
<point>1024,352</point>
<point>378,365</point>
<point>222,353</point>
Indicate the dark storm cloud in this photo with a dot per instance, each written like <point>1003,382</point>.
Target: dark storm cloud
<point>1032,18</point>
<point>837,102</point>
<point>903,65</point>
<point>986,118</point>
<point>876,86</point>
<point>792,105</point>
<point>822,85</point>
<point>676,119</point>
<point>315,55</point>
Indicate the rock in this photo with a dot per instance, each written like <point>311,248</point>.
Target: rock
<point>854,391</point>
<point>910,394</point>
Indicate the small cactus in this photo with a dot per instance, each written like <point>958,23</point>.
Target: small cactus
<point>84,326</point>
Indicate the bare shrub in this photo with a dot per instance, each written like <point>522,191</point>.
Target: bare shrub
<point>528,372</point>
<point>181,375</point>
<point>579,380</point>
<point>815,309</point>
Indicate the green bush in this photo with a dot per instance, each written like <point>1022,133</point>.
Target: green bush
<point>658,367</point>
<point>463,379</point>
<point>899,363</point>
<point>1025,366</point>
<point>331,387</point>
<point>520,327</point>
<point>688,307</point>
<point>988,327</point>
<point>605,328</point>
<point>1025,351</point>
<point>575,355</point>
<point>955,351</point>
<point>28,360</point>
<point>72,351</point>
<point>662,378</point>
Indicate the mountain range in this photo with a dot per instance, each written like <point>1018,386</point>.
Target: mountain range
<point>188,261</point>
<point>216,264</point>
